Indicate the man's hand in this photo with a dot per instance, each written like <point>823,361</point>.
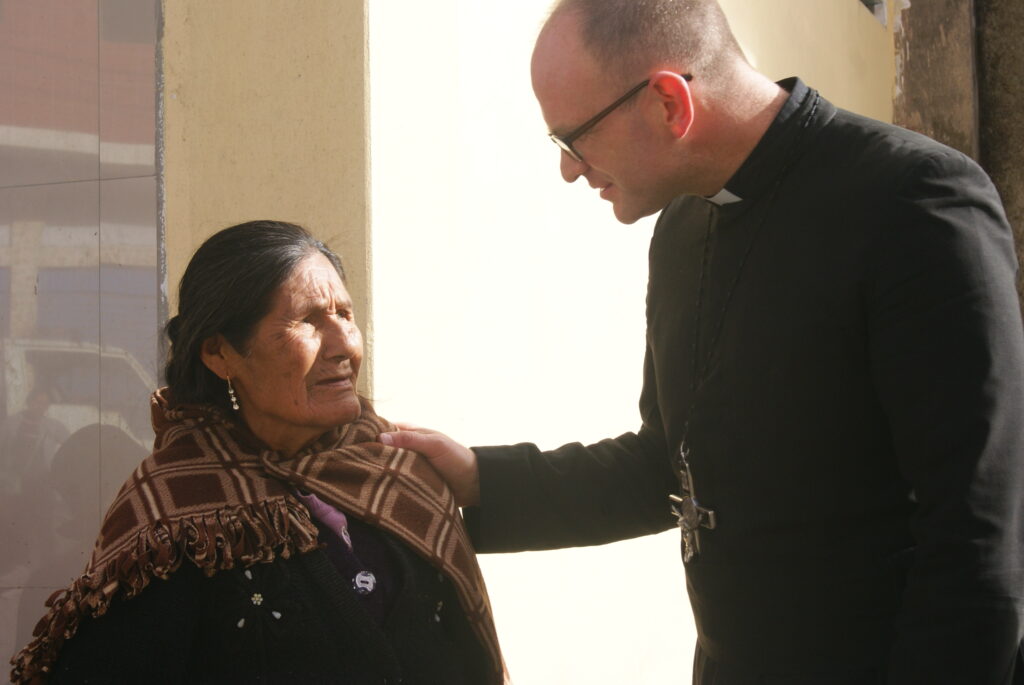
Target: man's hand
<point>456,463</point>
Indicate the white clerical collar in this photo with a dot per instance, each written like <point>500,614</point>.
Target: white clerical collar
<point>724,197</point>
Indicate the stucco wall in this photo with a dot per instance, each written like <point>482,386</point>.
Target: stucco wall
<point>936,89</point>
<point>960,80</point>
<point>264,116</point>
<point>1001,106</point>
<point>509,306</point>
<point>836,46</point>
<point>506,305</point>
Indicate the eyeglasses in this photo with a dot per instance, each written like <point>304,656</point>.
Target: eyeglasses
<point>565,142</point>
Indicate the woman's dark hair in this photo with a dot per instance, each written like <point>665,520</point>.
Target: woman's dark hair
<point>227,288</point>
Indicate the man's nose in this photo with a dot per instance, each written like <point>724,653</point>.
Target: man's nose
<point>571,169</point>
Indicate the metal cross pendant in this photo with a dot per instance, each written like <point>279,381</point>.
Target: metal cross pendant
<point>690,516</point>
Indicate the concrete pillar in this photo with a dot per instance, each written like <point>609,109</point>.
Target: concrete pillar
<point>264,116</point>
<point>936,92</point>
<point>1001,100</point>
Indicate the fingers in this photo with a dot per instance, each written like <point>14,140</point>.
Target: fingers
<point>425,443</point>
<point>453,461</point>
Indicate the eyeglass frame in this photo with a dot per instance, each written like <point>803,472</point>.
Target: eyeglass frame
<point>565,142</point>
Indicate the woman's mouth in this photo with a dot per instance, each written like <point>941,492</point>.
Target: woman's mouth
<point>335,383</point>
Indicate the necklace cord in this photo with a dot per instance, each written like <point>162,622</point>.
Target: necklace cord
<point>691,516</point>
<point>696,382</point>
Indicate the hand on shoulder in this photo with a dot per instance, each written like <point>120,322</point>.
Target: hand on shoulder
<point>455,462</point>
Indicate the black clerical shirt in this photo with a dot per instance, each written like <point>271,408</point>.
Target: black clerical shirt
<point>842,350</point>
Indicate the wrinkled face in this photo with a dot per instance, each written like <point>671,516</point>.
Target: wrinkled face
<point>297,379</point>
<point>623,155</point>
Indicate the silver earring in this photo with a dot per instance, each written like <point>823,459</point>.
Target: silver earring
<point>231,394</point>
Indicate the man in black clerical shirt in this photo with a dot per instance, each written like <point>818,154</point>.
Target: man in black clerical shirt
<point>833,400</point>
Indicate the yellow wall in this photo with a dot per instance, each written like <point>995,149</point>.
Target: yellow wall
<point>836,46</point>
<point>509,306</point>
<point>265,116</point>
<point>264,107</point>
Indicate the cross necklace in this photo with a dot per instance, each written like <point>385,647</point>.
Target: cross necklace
<point>689,513</point>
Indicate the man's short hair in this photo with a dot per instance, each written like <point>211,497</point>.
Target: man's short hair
<point>630,37</point>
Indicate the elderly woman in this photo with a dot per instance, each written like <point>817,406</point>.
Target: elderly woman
<point>271,537</point>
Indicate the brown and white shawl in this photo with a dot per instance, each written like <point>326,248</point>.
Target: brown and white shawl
<point>213,495</point>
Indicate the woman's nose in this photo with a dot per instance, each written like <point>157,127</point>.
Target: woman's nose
<point>571,168</point>
<point>342,339</point>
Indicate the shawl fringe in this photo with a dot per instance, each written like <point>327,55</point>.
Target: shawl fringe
<point>244,534</point>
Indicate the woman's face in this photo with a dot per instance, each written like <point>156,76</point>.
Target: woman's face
<point>298,377</point>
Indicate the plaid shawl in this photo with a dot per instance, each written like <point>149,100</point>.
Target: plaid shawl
<point>213,494</point>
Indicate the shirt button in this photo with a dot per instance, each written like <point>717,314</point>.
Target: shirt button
<point>364,582</point>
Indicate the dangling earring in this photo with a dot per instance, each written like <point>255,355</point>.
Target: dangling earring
<point>231,394</point>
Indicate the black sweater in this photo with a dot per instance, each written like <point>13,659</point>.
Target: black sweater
<point>293,620</point>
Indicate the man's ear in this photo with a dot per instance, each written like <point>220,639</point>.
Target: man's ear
<point>213,352</point>
<point>676,101</point>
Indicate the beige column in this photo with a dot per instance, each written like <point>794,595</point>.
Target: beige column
<point>264,116</point>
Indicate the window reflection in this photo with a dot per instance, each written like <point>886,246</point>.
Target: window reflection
<point>5,303</point>
<point>78,282</point>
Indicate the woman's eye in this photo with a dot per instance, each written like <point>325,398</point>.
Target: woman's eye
<point>317,318</point>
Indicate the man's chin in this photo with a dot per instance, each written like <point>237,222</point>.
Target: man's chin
<point>630,215</point>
